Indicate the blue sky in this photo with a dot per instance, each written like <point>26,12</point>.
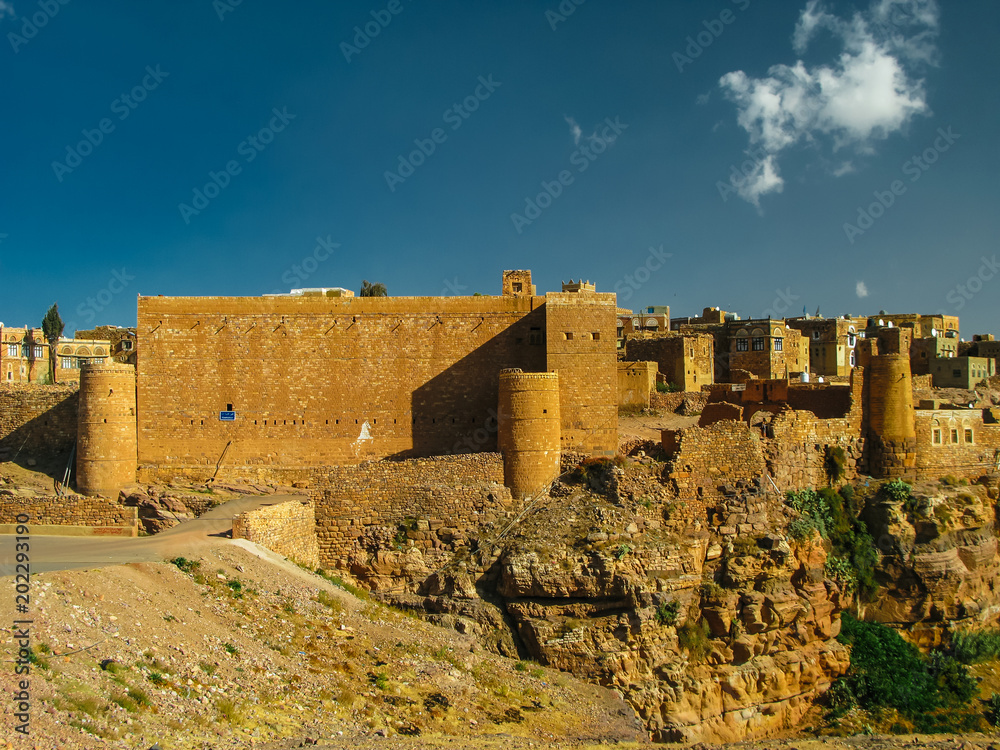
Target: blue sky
<point>213,148</point>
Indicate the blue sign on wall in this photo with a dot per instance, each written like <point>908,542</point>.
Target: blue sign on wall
<point>227,416</point>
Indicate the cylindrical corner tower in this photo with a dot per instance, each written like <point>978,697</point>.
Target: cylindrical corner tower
<point>892,445</point>
<point>529,430</point>
<point>107,447</point>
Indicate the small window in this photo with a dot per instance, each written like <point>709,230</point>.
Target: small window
<point>229,407</point>
<point>568,336</point>
<point>956,373</point>
<point>11,350</point>
<point>937,437</point>
<point>954,436</point>
<point>127,346</point>
<point>516,286</point>
<point>815,335</point>
<point>854,358</point>
<point>742,345</point>
<point>968,436</point>
<point>759,344</point>
<point>596,335</point>
<point>778,344</point>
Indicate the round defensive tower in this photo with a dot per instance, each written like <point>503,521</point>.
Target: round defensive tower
<point>892,430</point>
<point>529,430</point>
<point>107,446</point>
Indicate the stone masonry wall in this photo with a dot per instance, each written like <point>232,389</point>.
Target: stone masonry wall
<point>956,458</point>
<point>320,381</point>
<point>73,510</point>
<point>37,420</point>
<point>288,528</point>
<point>705,460</point>
<point>434,504</point>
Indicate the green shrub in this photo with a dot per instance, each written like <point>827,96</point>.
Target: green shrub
<point>231,649</point>
<point>832,513</point>
<point>666,612</point>
<point>888,672</point>
<point>897,490</point>
<point>187,566</point>
<point>693,636</point>
<point>667,388</point>
<point>974,646</point>
<point>834,460</point>
<point>993,709</point>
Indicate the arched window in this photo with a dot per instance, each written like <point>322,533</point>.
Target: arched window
<point>759,344</point>
<point>742,341</point>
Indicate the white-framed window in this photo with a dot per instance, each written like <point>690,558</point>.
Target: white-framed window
<point>778,345</point>
<point>742,344</point>
<point>66,363</point>
<point>815,335</point>
<point>968,435</point>
<point>937,437</point>
<point>38,351</point>
<point>954,435</point>
<point>127,345</point>
<point>12,350</point>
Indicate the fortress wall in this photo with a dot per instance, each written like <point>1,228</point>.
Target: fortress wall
<point>306,375</point>
<point>440,502</point>
<point>37,420</point>
<point>587,368</point>
<point>288,528</point>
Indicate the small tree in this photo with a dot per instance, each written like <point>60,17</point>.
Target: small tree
<point>52,329</point>
<point>372,290</point>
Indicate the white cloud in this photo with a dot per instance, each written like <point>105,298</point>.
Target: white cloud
<point>861,289</point>
<point>846,168</point>
<point>865,95</point>
<point>574,130</point>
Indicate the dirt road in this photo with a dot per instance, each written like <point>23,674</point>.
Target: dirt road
<point>50,553</point>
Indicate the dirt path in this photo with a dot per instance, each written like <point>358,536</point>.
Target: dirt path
<point>49,553</point>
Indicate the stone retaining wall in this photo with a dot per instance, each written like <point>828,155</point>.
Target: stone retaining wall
<point>288,528</point>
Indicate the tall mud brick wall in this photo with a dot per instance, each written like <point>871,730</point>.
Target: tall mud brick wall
<point>581,346</point>
<point>319,381</point>
<point>37,421</point>
<point>106,444</point>
<point>437,502</point>
<point>892,443</point>
<point>529,430</point>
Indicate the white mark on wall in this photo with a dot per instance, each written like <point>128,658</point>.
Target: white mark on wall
<point>366,435</point>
